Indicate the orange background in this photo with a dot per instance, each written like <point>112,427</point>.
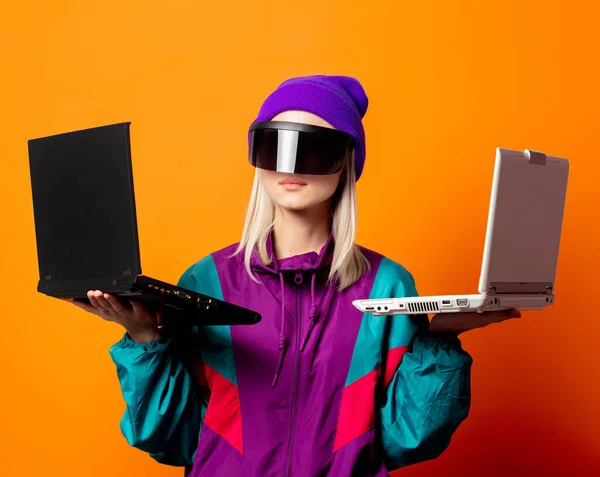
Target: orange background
<point>448,83</point>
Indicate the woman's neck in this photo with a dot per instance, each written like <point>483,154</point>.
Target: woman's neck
<point>300,231</point>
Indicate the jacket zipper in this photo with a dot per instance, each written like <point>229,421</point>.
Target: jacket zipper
<point>298,280</point>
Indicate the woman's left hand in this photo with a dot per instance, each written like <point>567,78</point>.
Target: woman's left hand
<point>457,323</point>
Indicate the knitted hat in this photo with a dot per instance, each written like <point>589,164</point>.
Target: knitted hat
<point>339,100</point>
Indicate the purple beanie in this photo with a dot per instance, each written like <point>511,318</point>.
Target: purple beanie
<point>339,100</point>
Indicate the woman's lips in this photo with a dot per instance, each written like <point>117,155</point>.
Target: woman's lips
<point>290,183</point>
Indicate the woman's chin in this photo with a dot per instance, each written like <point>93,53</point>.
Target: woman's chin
<point>303,205</point>
<point>295,205</point>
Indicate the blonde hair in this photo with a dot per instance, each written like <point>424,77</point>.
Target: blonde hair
<point>348,263</point>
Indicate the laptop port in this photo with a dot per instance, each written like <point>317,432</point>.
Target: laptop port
<point>183,295</point>
<point>462,302</point>
<point>370,308</point>
<point>446,302</point>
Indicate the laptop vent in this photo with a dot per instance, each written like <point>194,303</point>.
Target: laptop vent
<point>423,307</point>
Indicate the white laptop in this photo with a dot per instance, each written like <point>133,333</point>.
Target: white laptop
<point>521,244</point>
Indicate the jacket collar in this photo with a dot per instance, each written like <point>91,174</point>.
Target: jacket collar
<point>303,262</point>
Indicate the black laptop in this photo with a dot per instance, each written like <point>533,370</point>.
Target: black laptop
<point>86,228</point>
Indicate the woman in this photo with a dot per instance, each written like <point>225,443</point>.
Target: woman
<point>315,388</point>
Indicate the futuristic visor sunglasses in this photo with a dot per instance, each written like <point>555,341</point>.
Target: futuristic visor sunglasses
<point>298,148</point>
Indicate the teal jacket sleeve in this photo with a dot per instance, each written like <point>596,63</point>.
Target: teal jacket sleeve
<point>428,396</point>
<point>165,406</point>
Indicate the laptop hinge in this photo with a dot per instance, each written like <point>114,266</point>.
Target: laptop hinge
<point>503,288</point>
<point>536,157</point>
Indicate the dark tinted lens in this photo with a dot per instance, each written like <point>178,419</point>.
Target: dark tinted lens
<point>319,154</point>
<point>298,152</point>
<point>264,149</point>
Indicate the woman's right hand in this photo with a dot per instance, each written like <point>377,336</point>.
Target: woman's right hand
<point>141,325</point>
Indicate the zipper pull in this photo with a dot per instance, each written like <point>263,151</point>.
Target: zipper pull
<point>298,278</point>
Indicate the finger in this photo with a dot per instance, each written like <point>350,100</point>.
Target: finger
<point>85,306</point>
<point>94,302</point>
<point>138,308</point>
<point>502,314</point>
<point>512,313</point>
<point>116,304</point>
<point>103,302</point>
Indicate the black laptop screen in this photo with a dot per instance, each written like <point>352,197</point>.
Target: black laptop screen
<point>84,204</point>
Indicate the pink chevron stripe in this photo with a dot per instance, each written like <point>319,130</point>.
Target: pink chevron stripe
<point>224,415</point>
<point>394,357</point>
<point>357,412</point>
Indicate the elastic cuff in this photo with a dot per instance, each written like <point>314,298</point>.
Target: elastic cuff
<point>127,342</point>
